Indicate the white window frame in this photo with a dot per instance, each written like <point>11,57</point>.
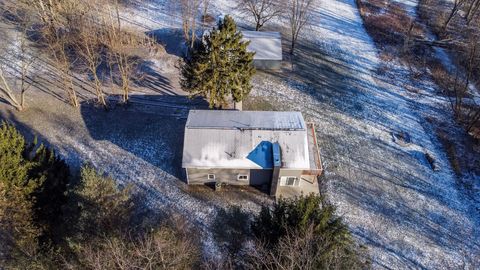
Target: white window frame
<point>284,181</point>
<point>242,175</point>
<point>211,178</point>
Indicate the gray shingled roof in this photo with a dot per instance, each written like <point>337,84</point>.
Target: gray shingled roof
<point>225,139</point>
<point>266,45</point>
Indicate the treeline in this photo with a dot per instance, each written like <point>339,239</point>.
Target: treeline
<point>457,25</point>
<point>403,37</point>
<point>78,36</point>
<point>50,219</point>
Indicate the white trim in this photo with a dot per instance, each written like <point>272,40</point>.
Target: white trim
<point>210,178</point>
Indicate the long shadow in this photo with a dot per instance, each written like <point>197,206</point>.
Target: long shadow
<point>153,80</point>
<point>24,129</point>
<point>171,38</point>
<point>150,127</point>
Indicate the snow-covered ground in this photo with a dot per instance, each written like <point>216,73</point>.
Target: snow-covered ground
<point>408,214</point>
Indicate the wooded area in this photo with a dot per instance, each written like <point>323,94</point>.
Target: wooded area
<point>86,37</point>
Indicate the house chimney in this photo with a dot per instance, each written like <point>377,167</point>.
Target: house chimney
<point>277,164</point>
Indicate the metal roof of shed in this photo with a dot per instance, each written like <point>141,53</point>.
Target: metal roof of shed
<point>240,140</point>
<point>266,45</point>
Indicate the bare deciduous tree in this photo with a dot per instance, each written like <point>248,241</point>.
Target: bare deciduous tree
<point>27,58</point>
<point>90,48</point>
<point>189,10</point>
<point>58,47</point>
<point>161,249</point>
<point>18,59</point>
<point>7,92</point>
<point>469,114</point>
<point>299,17</point>
<point>304,250</point>
<point>457,5</point>
<point>472,10</point>
<point>205,6</point>
<point>125,49</point>
<point>261,10</point>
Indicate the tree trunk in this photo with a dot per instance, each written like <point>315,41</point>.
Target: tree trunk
<point>71,90</point>
<point>9,93</point>
<point>98,89</point>
<point>292,48</point>
<point>22,100</point>
<point>472,11</point>
<point>450,17</point>
<point>474,120</point>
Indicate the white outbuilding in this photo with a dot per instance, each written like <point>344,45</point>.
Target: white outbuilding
<point>267,47</point>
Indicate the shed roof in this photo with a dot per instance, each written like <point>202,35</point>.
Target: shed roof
<point>266,45</point>
<point>243,140</point>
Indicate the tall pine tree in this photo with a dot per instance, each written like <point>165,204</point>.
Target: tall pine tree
<point>220,67</point>
<point>33,184</point>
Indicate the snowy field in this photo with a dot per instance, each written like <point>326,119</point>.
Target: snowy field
<point>408,212</point>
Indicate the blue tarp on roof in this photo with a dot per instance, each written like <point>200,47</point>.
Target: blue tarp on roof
<point>262,155</point>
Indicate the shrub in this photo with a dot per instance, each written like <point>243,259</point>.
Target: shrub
<point>303,233</point>
<point>162,248</point>
<point>102,207</point>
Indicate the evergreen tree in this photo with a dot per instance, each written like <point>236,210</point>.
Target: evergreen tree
<point>103,208</point>
<point>307,223</point>
<point>32,191</point>
<point>297,215</point>
<point>13,166</point>
<point>52,175</point>
<point>19,234</point>
<point>220,67</point>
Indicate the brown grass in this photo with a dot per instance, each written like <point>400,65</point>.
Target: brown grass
<point>387,23</point>
<point>433,13</point>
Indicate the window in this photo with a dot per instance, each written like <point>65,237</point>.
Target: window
<point>211,177</point>
<point>242,177</point>
<point>289,181</point>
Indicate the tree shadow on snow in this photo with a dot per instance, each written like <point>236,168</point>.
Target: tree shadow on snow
<point>150,127</point>
<point>171,38</point>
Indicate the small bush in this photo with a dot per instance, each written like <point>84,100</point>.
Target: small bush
<point>306,224</point>
<point>162,248</point>
<point>103,208</point>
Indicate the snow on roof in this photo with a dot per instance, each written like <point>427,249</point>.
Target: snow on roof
<point>266,45</point>
<point>225,119</point>
<point>243,140</point>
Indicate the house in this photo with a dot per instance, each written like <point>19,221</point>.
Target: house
<point>277,150</point>
<point>267,47</point>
